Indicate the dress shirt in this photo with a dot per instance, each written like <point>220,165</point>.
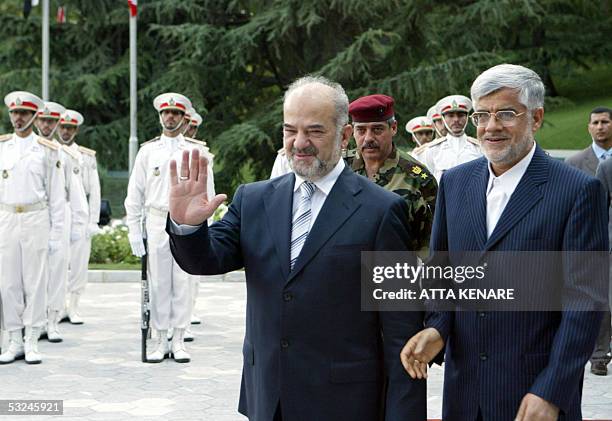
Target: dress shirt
<point>601,153</point>
<point>500,189</point>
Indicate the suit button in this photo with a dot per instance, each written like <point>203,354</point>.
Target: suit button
<point>482,314</point>
<point>287,296</point>
<point>284,343</point>
<point>483,356</point>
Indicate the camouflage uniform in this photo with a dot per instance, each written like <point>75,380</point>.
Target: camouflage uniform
<point>408,178</point>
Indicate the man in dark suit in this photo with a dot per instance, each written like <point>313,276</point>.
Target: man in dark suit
<point>588,160</point>
<point>309,351</point>
<point>516,365</point>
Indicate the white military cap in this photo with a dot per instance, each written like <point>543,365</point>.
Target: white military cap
<point>171,101</point>
<point>51,110</point>
<point>196,119</point>
<point>22,100</point>
<point>189,113</point>
<point>71,118</point>
<point>419,124</point>
<point>433,113</point>
<point>454,103</point>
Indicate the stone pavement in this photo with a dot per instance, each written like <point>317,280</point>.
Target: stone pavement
<point>97,371</point>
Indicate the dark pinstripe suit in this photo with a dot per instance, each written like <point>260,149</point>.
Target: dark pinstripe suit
<point>493,359</point>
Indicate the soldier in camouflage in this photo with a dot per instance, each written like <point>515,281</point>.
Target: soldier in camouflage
<point>377,158</point>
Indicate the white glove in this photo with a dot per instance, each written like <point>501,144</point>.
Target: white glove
<point>137,245</point>
<point>93,229</point>
<point>54,245</point>
<point>75,236</point>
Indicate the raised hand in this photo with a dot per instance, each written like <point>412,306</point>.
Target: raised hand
<point>189,202</point>
<point>420,350</point>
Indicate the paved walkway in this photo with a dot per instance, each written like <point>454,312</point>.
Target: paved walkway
<point>98,373</point>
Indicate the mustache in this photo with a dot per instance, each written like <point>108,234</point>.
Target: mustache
<point>370,144</point>
<point>309,150</point>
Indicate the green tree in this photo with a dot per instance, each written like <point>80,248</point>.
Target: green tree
<point>234,58</point>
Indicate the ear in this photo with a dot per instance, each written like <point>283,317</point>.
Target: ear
<point>538,119</point>
<point>394,128</point>
<point>347,132</point>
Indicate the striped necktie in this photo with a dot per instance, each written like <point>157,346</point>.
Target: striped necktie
<point>301,220</point>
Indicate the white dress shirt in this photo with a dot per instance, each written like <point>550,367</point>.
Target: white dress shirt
<point>500,189</point>
<point>324,186</point>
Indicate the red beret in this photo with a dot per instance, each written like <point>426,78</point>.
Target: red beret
<point>371,108</point>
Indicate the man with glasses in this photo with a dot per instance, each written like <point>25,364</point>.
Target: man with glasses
<point>456,147</point>
<point>519,365</point>
<point>377,158</point>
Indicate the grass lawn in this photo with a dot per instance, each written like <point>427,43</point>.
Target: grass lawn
<point>114,266</point>
<point>566,128</point>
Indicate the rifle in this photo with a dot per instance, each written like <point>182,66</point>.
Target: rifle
<point>145,309</point>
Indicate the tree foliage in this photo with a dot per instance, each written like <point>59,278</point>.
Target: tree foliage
<point>234,58</point>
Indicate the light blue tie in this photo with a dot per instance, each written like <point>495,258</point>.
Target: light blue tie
<point>301,220</point>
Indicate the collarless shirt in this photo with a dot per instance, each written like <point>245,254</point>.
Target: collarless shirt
<point>323,188</point>
<point>500,189</point>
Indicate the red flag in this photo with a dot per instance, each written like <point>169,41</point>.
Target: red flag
<point>133,4</point>
<point>61,15</point>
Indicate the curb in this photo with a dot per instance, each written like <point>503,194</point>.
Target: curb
<point>113,276</point>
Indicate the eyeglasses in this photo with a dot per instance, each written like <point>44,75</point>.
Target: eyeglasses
<point>506,117</point>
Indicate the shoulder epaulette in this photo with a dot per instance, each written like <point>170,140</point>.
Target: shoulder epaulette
<point>474,141</point>
<point>5,137</point>
<point>48,144</point>
<point>420,148</point>
<point>70,151</point>
<point>192,140</point>
<point>87,151</point>
<point>437,141</point>
<point>281,151</point>
<point>150,141</point>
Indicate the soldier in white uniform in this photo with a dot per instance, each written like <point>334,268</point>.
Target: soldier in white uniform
<point>456,147</point>
<point>80,248</point>
<point>75,218</point>
<point>147,199</point>
<point>190,132</point>
<point>438,122</point>
<point>422,131</point>
<point>31,220</point>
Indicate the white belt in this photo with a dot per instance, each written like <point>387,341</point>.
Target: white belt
<point>23,208</point>
<point>157,212</point>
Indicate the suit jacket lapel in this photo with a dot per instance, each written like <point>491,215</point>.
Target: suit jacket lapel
<point>278,204</point>
<point>525,197</point>
<point>476,203</point>
<point>338,207</point>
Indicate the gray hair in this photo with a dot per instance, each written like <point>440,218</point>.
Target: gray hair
<point>341,102</point>
<point>510,76</point>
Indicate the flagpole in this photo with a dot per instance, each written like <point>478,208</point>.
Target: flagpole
<point>133,92</point>
<point>45,50</point>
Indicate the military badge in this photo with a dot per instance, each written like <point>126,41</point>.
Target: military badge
<point>4,174</point>
<point>156,171</point>
<point>417,170</point>
<point>424,176</point>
